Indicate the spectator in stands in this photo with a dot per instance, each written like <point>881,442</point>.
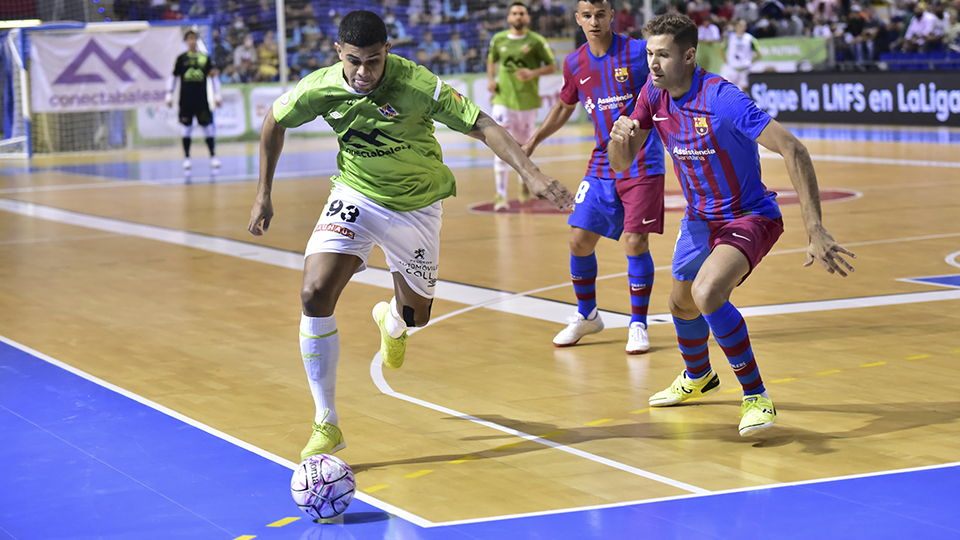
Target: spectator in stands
<point>222,51</point>
<point>229,75</point>
<point>298,61</point>
<point>746,11</point>
<point>197,11</point>
<point>172,12</point>
<point>395,30</point>
<point>921,29</point>
<point>245,52</point>
<point>940,27</point>
<point>311,34</point>
<point>698,10</point>
<point>764,28</point>
<point>708,32</point>
<point>791,25</point>
<point>951,37</point>
<point>430,54</point>
<point>236,32</point>
<point>725,12</point>
<point>853,36</point>
<point>268,57</point>
<point>455,11</point>
<point>820,28</point>
<point>493,20</point>
<point>474,60</point>
<point>625,23</point>
<point>772,10</point>
<point>298,11</point>
<point>825,9</point>
<point>326,54</point>
<point>456,50</point>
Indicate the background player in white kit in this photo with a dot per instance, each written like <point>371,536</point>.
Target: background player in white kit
<point>741,50</point>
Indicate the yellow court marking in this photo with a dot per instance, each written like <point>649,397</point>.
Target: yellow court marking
<point>640,411</point>
<point>246,537</point>
<point>917,357</point>
<point>377,487</point>
<point>465,459</point>
<point>553,433</point>
<point>788,379</point>
<point>731,390</point>
<point>507,446</point>
<point>829,372</point>
<point>956,351</point>
<point>283,522</point>
<point>875,364</point>
<point>419,473</point>
<point>598,422</point>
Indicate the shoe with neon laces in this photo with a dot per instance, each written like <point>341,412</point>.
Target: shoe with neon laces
<point>684,389</point>
<point>578,327</point>
<point>757,413</point>
<point>638,342</point>
<point>326,439</point>
<point>500,203</point>
<point>524,195</point>
<point>392,350</point>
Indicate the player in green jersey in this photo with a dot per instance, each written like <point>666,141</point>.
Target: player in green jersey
<point>392,179</point>
<point>518,58</point>
<point>192,69</point>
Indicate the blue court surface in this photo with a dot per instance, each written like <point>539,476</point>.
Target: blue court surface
<point>943,281</point>
<point>81,460</point>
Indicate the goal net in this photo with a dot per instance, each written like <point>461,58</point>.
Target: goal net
<point>80,87</point>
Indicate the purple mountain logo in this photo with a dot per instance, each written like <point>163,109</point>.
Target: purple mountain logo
<point>116,65</point>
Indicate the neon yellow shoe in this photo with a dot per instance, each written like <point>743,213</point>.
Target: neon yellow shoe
<point>757,413</point>
<point>524,195</point>
<point>500,203</point>
<point>326,439</point>
<point>392,350</point>
<point>684,389</point>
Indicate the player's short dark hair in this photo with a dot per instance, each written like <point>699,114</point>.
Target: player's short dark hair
<point>518,3</point>
<point>189,33</point>
<point>681,27</point>
<point>361,29</point>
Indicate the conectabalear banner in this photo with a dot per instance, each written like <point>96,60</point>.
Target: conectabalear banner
<point>103,71</point>
<point>908,98</point>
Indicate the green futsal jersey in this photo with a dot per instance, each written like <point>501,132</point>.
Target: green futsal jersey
<point>387,148</point>
<point>512,53</point>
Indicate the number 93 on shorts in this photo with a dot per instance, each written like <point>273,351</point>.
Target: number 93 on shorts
<point>351,223</point>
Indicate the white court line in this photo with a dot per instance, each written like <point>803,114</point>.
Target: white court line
<point>952,259</point>
<point>413,518</point>
<point>376,373</point>
<point>473,296</point>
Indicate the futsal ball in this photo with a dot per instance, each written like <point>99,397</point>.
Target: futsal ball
<point>323,486</point>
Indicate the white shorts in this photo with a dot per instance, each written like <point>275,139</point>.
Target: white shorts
<point>519,124</point>
<point>352,224</point>
<point>739,77</point>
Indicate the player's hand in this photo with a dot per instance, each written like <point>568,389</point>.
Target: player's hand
<point>624,128</point>
<point>217,101</point>
<point>260,216</point>
<point>544,187</point>
<point>825,250</point>
<point>492,87</point>
<point>524,74</point>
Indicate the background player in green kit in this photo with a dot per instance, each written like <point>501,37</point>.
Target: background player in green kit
<point>388,193</point>
<point>192,68</point>
<point>521,56</point>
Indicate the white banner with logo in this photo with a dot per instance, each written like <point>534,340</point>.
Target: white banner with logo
<point>161,122</point>
<point>261,101</point>
<point>80,71</point>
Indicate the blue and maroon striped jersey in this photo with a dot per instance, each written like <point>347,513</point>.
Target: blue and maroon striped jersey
<point>608,87</point>
<point>711,134</point>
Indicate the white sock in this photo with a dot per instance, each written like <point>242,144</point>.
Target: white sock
<point>320,348</point>
<point>393,322</point>
<point>501,173</point>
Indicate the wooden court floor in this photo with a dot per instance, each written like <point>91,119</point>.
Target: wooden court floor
<point>863,370</point>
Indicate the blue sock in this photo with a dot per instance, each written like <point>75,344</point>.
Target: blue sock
<point>640,274</point>
<point>730,331</point>
<point>692,338</point>
<point>583,273</point>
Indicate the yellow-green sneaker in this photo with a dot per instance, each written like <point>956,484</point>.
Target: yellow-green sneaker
<point>392,350</point>
<point>683,389</point>
<point>500,203</point>
<point>326,439</point>
<point>524,195</point>
<point>757,413</point>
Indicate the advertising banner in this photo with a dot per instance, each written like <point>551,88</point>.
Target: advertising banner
<point>912,98</point>
<point>81,71</point>
<point>161,122</point>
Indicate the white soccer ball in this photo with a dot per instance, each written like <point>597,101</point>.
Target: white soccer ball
<point>323,486</point>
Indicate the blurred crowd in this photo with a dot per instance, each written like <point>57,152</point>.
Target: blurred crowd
<point>452,36</point>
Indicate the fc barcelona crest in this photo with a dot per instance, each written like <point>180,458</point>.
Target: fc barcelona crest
<point>621,74</point>
<point>700,124</point>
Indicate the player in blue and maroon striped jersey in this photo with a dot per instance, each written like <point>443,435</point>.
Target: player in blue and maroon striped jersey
<point>711,130</point>
<point>605,75</point>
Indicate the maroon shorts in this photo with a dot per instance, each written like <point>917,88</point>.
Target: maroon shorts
<point>753,235</point>
<point>642,199</point>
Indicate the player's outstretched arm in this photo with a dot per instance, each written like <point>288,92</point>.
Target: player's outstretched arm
<point>271,144</point>
<point>822,248</point>
<point>504,146</point>
<point>626,139</point>
<point>556,118</point>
